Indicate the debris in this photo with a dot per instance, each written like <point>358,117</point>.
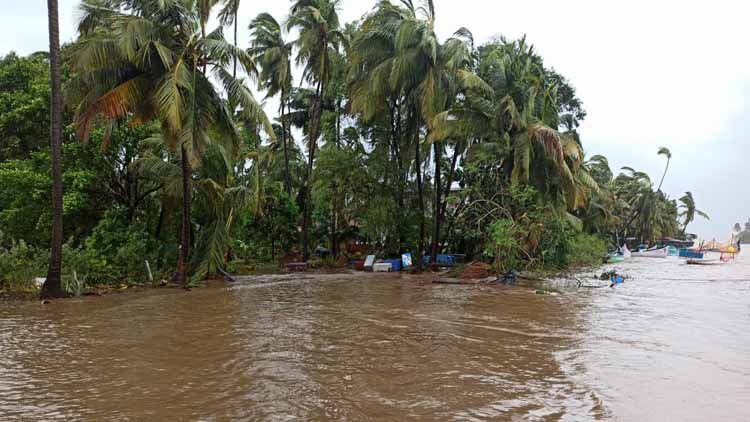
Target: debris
<point>476,270</point>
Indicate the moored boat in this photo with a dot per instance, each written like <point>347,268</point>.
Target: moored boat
<point>651,253</point>
<point>688,253</point>
<point>615,258</point>
<point>693,261</point>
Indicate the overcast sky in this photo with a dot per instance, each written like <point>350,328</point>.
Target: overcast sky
<point>650,74</point>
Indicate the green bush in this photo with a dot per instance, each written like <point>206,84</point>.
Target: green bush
<point>20,264</point>
<point>115,251</point>
<point>585,250</point>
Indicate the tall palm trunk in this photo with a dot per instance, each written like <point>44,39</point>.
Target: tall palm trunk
<point>236,9</point>
<point>437,206</point>
<point>420,198</point>
<point>287,176</point>
<point>334,190</point>
<point>664,175</point>
<point>449,183</point>
<point>53,284</point>
<point>313,138</point>
<point>186,225</point>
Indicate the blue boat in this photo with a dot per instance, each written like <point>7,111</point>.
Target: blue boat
<point>687,253</point>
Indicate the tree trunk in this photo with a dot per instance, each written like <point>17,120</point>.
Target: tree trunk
<point>159,223</point>
<point>52,287</point>
<point>437,206</point>
<point>287,176</point>
<point>185,229</point>
<point>234,70</point>
<point>334,201</point>
<point>313,138</point>
<point>447,191</point>
<point>664,175</point>
<point>401,192</point>
<point>420,199</point>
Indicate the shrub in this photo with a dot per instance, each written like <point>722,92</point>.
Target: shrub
<point>20,264</point>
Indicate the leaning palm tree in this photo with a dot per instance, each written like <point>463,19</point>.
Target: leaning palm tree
<point>148,63</point>
<point>53,284</point>
<point>320,37</point>
<point>689,211</point>
<point>273,54</point>
<point>665,152</point>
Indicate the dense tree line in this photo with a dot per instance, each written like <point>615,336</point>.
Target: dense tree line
<point>386,138</point>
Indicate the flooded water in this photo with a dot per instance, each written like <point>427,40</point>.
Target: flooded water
<point>672,343</point>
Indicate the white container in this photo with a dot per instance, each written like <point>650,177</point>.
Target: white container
<point>382,267</point>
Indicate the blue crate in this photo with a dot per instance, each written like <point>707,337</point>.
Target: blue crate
<point>395,264</point>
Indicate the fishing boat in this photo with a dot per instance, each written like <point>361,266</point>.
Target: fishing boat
<point>724,258</point>
<point>651,253</point>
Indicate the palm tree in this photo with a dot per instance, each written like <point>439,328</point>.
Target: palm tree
<point>689,211</point>
<point>273,54</point>
<point>228,16</point>
<point>320,36</point>
<point>149,64</point>
<point>405,58</point>
<point>53,284</point>
<point>665,152</point>
<point>518,110</point>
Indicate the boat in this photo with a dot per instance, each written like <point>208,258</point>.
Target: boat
<point>693,261</point>
<point>619,256</point>
<point>672,251</point>
<point>688,253</point>
<point>651,253</point>
<point>615,258</point>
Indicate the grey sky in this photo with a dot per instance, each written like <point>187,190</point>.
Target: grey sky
<point>650,73</point>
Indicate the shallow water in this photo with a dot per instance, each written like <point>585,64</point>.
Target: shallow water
<point>672,343</point>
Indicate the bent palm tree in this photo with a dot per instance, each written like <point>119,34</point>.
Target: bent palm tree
<point>665,152</point>
<point>688,213</point>
<point>148,64</point>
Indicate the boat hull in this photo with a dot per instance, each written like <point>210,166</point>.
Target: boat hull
<point>655,253</point>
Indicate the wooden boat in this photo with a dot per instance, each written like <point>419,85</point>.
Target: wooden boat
<point>651,253</point>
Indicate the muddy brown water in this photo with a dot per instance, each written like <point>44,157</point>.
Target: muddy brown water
<point>672,343</point>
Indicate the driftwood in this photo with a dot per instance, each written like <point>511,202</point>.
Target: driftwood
<point>226,275</point>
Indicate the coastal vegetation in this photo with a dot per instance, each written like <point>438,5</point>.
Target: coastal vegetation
<point>386,139</point>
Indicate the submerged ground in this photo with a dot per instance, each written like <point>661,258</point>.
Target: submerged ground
<point>672,343</point>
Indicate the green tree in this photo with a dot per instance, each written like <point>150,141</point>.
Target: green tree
<point>273,54</point>
<point>24,102</point>
<point>145,64</point>
<point>320,37</point>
